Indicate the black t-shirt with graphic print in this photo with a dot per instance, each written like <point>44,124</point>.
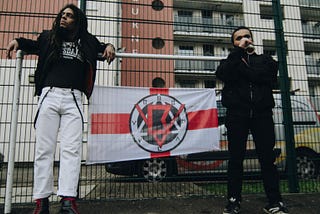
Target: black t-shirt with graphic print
<point>69,70</point>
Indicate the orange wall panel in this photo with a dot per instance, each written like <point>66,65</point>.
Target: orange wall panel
<point>140,25</point>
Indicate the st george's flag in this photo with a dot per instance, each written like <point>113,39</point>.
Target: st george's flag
<point>131,123</point>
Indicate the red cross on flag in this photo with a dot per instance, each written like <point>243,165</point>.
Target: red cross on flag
<point>130,123</point>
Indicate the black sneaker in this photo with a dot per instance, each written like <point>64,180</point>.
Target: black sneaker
<point>68,206</point>
<point>277,208</point>
<point>42,206</point>
<point>233,207</point>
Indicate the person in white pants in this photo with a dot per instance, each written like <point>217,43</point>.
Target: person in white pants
<point>66,69</point>
<point>58,113</point>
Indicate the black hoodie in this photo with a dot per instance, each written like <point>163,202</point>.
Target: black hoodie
<point>90,47</point>
<point>248,82</point>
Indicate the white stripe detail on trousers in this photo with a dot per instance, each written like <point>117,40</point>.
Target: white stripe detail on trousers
<point>59,119</point>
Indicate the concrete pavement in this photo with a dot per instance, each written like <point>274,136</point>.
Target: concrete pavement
<point>251,204</point>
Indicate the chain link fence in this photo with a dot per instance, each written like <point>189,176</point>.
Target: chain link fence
<point>179,28</point>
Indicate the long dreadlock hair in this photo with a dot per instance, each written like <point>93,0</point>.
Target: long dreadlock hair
<point>81,27</point>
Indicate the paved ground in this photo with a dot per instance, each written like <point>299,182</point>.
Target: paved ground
<point>174,198</point>
<point>252,204</point>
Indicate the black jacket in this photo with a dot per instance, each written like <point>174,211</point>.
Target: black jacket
<point>90,47</point>
<point>248,82</point>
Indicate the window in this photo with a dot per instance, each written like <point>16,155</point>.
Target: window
<point>158,43</point>
<point>209,83</point>
<point>230,20</point>
<point>185,50</point>
<point>227,19</point>
<point>207,21</point>
<point>266,12</point>
<point>208,50</point>
<point>157,5</point>
<point>187,83</point>
<point>184,13</point>
<point>184,21</point>
<point>312,88</point>
<point>222,111</point>
<point>185,64</point>
<point>207,14</point>
<point>269,47</point>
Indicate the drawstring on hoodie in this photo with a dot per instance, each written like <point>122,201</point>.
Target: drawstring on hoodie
<point>247,62</point>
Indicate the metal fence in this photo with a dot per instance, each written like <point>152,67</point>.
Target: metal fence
<point>172,29</point>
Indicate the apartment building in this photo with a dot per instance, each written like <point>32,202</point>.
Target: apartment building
<point>204,28</point>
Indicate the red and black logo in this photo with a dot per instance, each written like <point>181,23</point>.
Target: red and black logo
<point>158,123</point>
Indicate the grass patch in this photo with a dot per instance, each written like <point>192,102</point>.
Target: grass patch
<point>256,186</point>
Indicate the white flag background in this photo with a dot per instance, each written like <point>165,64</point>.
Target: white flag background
<point>129,123</point>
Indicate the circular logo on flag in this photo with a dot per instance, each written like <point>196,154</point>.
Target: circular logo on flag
<point>158,123</point>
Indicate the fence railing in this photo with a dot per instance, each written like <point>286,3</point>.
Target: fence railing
<point>101,181</point>
<point>15,111</point>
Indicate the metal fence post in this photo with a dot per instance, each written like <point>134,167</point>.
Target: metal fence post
<point>83,5</point>
<point>285,98</point>
<point>13,132</point>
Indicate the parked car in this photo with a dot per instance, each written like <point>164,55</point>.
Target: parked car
<point>307,143</point>
<point>306,127</point>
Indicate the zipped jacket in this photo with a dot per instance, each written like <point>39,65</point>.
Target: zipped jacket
<point>89,46</point>
<point>248,82</point>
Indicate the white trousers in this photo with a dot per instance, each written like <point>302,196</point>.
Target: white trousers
<point>58,115</point>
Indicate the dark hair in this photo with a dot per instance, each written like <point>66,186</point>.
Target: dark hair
<point>158,82</point>
<point>81,26</point>
<point>240,28</point>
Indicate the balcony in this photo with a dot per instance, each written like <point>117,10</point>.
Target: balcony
<point>196,66</point>
<point>313,66</point>
<point>309,3</point>
<point>207,25</point>
<point>311,31</point>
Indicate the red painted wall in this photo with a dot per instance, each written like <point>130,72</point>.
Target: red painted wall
<point>140,24</point>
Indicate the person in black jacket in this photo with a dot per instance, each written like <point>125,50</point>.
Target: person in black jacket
<point>67,60</point>
<point>247,94</point>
